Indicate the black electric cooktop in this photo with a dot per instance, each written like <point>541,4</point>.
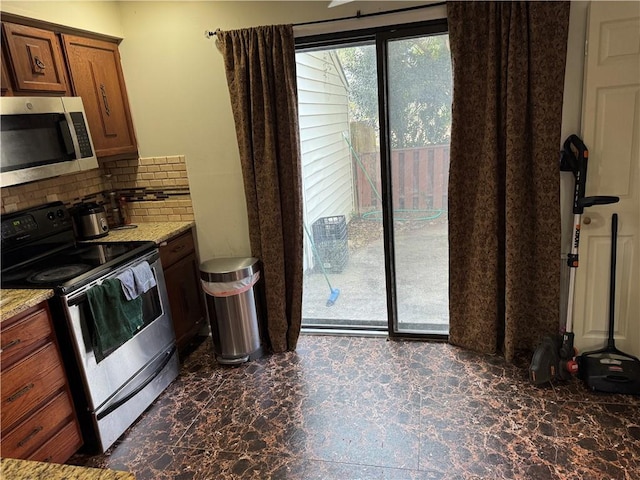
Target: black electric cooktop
<point>74,264</point>
<point>39,250</point>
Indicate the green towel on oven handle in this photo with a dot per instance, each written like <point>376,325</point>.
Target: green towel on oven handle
<point>115,319</point>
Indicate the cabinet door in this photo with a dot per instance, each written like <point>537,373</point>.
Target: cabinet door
<point>5,84</point>
<point>96,76</point>
<point>36,59</point>
<point>185,298</point>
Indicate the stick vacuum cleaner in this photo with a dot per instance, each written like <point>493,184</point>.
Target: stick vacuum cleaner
<point>554,357</point>
<point>609,369</point>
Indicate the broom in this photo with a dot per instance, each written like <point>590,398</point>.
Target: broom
<point>334,292</point>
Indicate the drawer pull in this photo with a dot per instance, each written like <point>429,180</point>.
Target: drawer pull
<point>179,248</point>
<point>103,91</point>
<point>20,393</point>
<point>33,433</point>
<point>12,343</point>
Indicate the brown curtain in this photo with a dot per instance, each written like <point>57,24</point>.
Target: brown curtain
<point>504,212</point>
<point>261,75</point>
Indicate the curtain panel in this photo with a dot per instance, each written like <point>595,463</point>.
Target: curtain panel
<point>504,199</point>
<point>261,75</point>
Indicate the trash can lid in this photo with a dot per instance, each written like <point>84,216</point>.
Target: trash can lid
<point>228,269</point>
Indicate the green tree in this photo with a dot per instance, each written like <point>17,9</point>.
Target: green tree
<point>420,89</point>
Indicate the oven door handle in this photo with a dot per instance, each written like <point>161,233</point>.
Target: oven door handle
<point>111,408</point>
<point>77,300</point>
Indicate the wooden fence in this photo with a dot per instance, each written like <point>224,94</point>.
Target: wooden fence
<point>420,177</point>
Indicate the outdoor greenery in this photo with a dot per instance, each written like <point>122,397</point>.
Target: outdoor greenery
<point>420,89</point>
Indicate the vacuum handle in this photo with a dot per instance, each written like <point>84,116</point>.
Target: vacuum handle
<point>612,286</point>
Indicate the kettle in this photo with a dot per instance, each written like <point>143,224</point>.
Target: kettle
<point>90,220</point>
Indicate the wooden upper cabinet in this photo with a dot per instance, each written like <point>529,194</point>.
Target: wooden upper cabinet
<point>96,76</point>
<point>5,84</point>
<point>36,60</point>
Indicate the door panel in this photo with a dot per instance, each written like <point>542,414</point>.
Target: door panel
<point>611,116</point>
<point>374,115</point>
<point>419,84</point>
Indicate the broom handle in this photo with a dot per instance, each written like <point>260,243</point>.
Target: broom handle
<point>612,289</point>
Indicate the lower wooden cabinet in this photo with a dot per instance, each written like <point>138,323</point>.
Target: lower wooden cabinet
<point>38,417</point>
<point>182,276</point>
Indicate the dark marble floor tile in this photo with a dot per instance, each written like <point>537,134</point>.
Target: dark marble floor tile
<point>577,391</point>
<point>599,440</point>
<point>318,470</point>
<point>484,435</point>
<point>247,416</point>
<point>156,461</point>
<point>342,408</point>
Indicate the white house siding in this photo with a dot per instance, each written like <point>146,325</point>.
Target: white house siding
<point>324,117</point>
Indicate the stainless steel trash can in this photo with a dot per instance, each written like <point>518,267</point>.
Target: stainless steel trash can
<point>231,286</point>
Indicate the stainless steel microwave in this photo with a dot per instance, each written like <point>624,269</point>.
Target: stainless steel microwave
<point>43,137</point>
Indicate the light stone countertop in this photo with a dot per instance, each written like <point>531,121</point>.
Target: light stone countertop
<point>29,470</point>
<point>14,301</point>
<point>157,232</point>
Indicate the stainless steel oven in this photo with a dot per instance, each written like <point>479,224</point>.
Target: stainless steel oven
<point>113,388</point>
<point>119,387</point>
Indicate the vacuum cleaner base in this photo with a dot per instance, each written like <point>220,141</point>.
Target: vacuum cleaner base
<point>611,373</point>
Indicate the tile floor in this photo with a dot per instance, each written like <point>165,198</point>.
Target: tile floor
<point>368,408</point>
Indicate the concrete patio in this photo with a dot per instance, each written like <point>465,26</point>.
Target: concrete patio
<point>421,279</point>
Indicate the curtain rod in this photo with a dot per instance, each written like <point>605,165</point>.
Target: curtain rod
<point>210,33</point>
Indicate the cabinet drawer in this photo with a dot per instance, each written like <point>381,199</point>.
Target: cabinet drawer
<point>24,336</point>
<point>60,447</point>
<point>176,249</point>
<point>33,432</point>
<point>29,382</point>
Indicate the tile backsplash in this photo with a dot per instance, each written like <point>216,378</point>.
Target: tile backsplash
<point>68,189</point>
<point>155,189</point>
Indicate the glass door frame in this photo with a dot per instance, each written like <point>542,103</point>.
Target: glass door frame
<point>382,40</point>
<point>381,36</point>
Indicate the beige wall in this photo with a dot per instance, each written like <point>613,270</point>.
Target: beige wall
<point>178,93</point>
<point>180,101</point>
<point>93,16</point>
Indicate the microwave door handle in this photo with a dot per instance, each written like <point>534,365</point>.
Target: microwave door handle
<point>66,136</point>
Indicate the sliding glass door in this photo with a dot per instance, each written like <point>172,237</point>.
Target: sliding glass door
<point>419,90</point>
<point>374,126</point>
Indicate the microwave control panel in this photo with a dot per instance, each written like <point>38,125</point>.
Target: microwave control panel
<point>82,134</point>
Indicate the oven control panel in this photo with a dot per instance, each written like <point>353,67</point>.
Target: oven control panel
<point>18,226</point>
<point>21,227</point>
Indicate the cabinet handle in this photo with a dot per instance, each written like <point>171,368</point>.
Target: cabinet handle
<point>179,248</point>
<point>39,63</point>
<point>33,433</point>
<point>103,91</point>
<point>20,393</point>
<point>12,343</point>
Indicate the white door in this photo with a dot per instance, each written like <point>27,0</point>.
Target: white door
<point>611,132</point>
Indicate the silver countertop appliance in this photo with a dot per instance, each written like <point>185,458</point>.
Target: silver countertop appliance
<point>90,221</point>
